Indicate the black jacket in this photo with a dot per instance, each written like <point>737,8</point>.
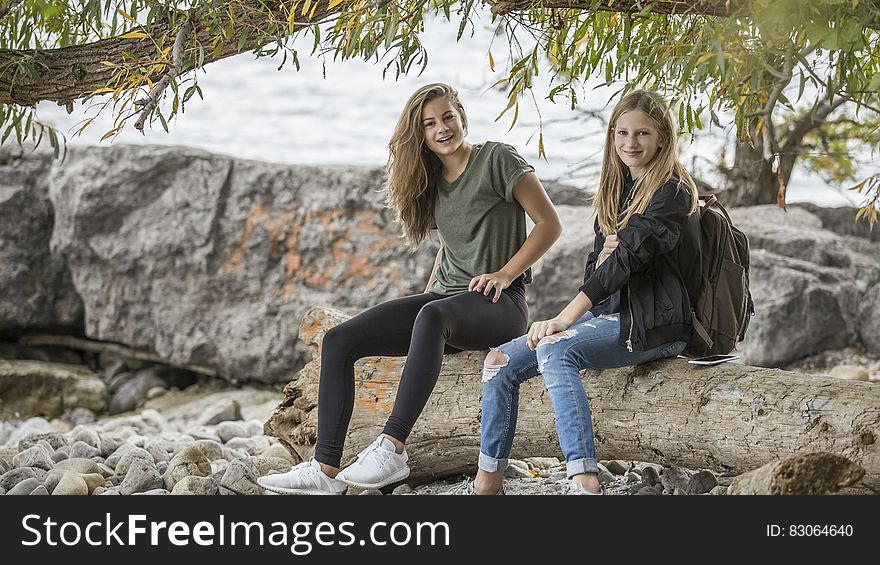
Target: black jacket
<point>656,269</point>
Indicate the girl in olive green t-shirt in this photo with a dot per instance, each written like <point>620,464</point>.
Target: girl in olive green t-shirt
<point>477,197</point>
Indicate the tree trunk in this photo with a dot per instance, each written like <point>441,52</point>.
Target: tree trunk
<point>750,181</point>
<point>727,418</point>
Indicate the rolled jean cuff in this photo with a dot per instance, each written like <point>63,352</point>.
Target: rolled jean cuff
<point>490,464</point>
<point>579,466</point>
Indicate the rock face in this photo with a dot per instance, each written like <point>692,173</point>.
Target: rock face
<point>800,474</point>
<point>207,260</point>
<point>811,286</point>
<point>560,272</point>
<point>869,319</point>
<point>48,389</point>
<point>37,289</point>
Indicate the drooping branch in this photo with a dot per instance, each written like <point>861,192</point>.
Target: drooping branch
<point>66,74</point>
<point>152,99</point>
<point>8,7</point>
<point>705,7</point>
<point>792,142</point>
<point>830,90</point>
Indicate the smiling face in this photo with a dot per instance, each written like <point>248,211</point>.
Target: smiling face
<point>444,127</point>
<point>636,141</point>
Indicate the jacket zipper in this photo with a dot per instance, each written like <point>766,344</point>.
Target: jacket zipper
<point>622,211</point>
<point>629,343</point>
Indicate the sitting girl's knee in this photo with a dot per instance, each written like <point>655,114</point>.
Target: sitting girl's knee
<point>495,361</point>
<point>495,357</point>
<point>547,348</point>
<point>555,338</point>
<point>333,336</point>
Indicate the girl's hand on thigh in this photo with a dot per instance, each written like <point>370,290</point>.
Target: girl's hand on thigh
<point>540,330</point>
<point>490,282</point>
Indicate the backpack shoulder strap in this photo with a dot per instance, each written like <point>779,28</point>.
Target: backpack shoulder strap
<point>701,331</point>
<point>712,201</point>
<point>709,201</point>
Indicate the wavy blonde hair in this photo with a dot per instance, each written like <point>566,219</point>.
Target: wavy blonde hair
<point>662,167</point>
<point>413,169</point>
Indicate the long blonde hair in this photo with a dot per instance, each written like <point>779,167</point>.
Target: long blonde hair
<point>413,169</point>
<point>662,167</point>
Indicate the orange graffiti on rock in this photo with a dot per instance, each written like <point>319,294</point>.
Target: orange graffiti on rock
<point>289,228</point>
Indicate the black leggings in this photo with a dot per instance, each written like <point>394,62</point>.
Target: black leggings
<point>423,327</point>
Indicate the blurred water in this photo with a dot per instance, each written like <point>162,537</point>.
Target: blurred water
<point>251,110</point>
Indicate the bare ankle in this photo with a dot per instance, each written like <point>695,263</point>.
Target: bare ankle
<point>589,481</point>
<point>398,445</point>
<point>487,483</point>
<point>329,471</point>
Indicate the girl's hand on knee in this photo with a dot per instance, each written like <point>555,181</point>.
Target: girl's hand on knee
<point>540,330</point>
<point>490,282</point>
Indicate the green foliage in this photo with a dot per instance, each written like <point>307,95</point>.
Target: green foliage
<point>830,148</point>
<point>871,188</point>
<point>22,123</point>
<point>731,64</point>
<point>767,61</point>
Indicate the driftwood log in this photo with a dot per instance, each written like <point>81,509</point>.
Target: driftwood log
<point>730,417</point>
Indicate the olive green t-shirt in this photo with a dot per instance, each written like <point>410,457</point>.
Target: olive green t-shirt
<point>480,221</point>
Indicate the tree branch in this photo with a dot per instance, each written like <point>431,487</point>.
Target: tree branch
<point>771,147</point>
<point>66,74</point>
<point>8,7</point>
<point>792,143</point>
<point>152,99</point>
<point>809,121</point>
<point>702,7</point>
<point>818,79</point>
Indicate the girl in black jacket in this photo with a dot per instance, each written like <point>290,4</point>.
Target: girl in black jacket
<point>633,307</point>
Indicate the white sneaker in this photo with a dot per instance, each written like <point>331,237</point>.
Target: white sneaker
<point>377,466</point>
<point>576,488</point>
<point>305,478</point>
<point>467,488</point>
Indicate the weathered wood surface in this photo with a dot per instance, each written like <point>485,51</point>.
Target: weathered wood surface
<point>727,418</point>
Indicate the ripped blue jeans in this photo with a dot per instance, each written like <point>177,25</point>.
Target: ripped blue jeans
<point>591,342</point>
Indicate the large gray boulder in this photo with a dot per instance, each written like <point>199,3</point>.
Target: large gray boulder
<point>801,308</point>
<point>559,273</point>
<point>208,260</point>
<point>809,285</point>
<point>38,292</point>
<point>869,321</point>
<point>841,220</point>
